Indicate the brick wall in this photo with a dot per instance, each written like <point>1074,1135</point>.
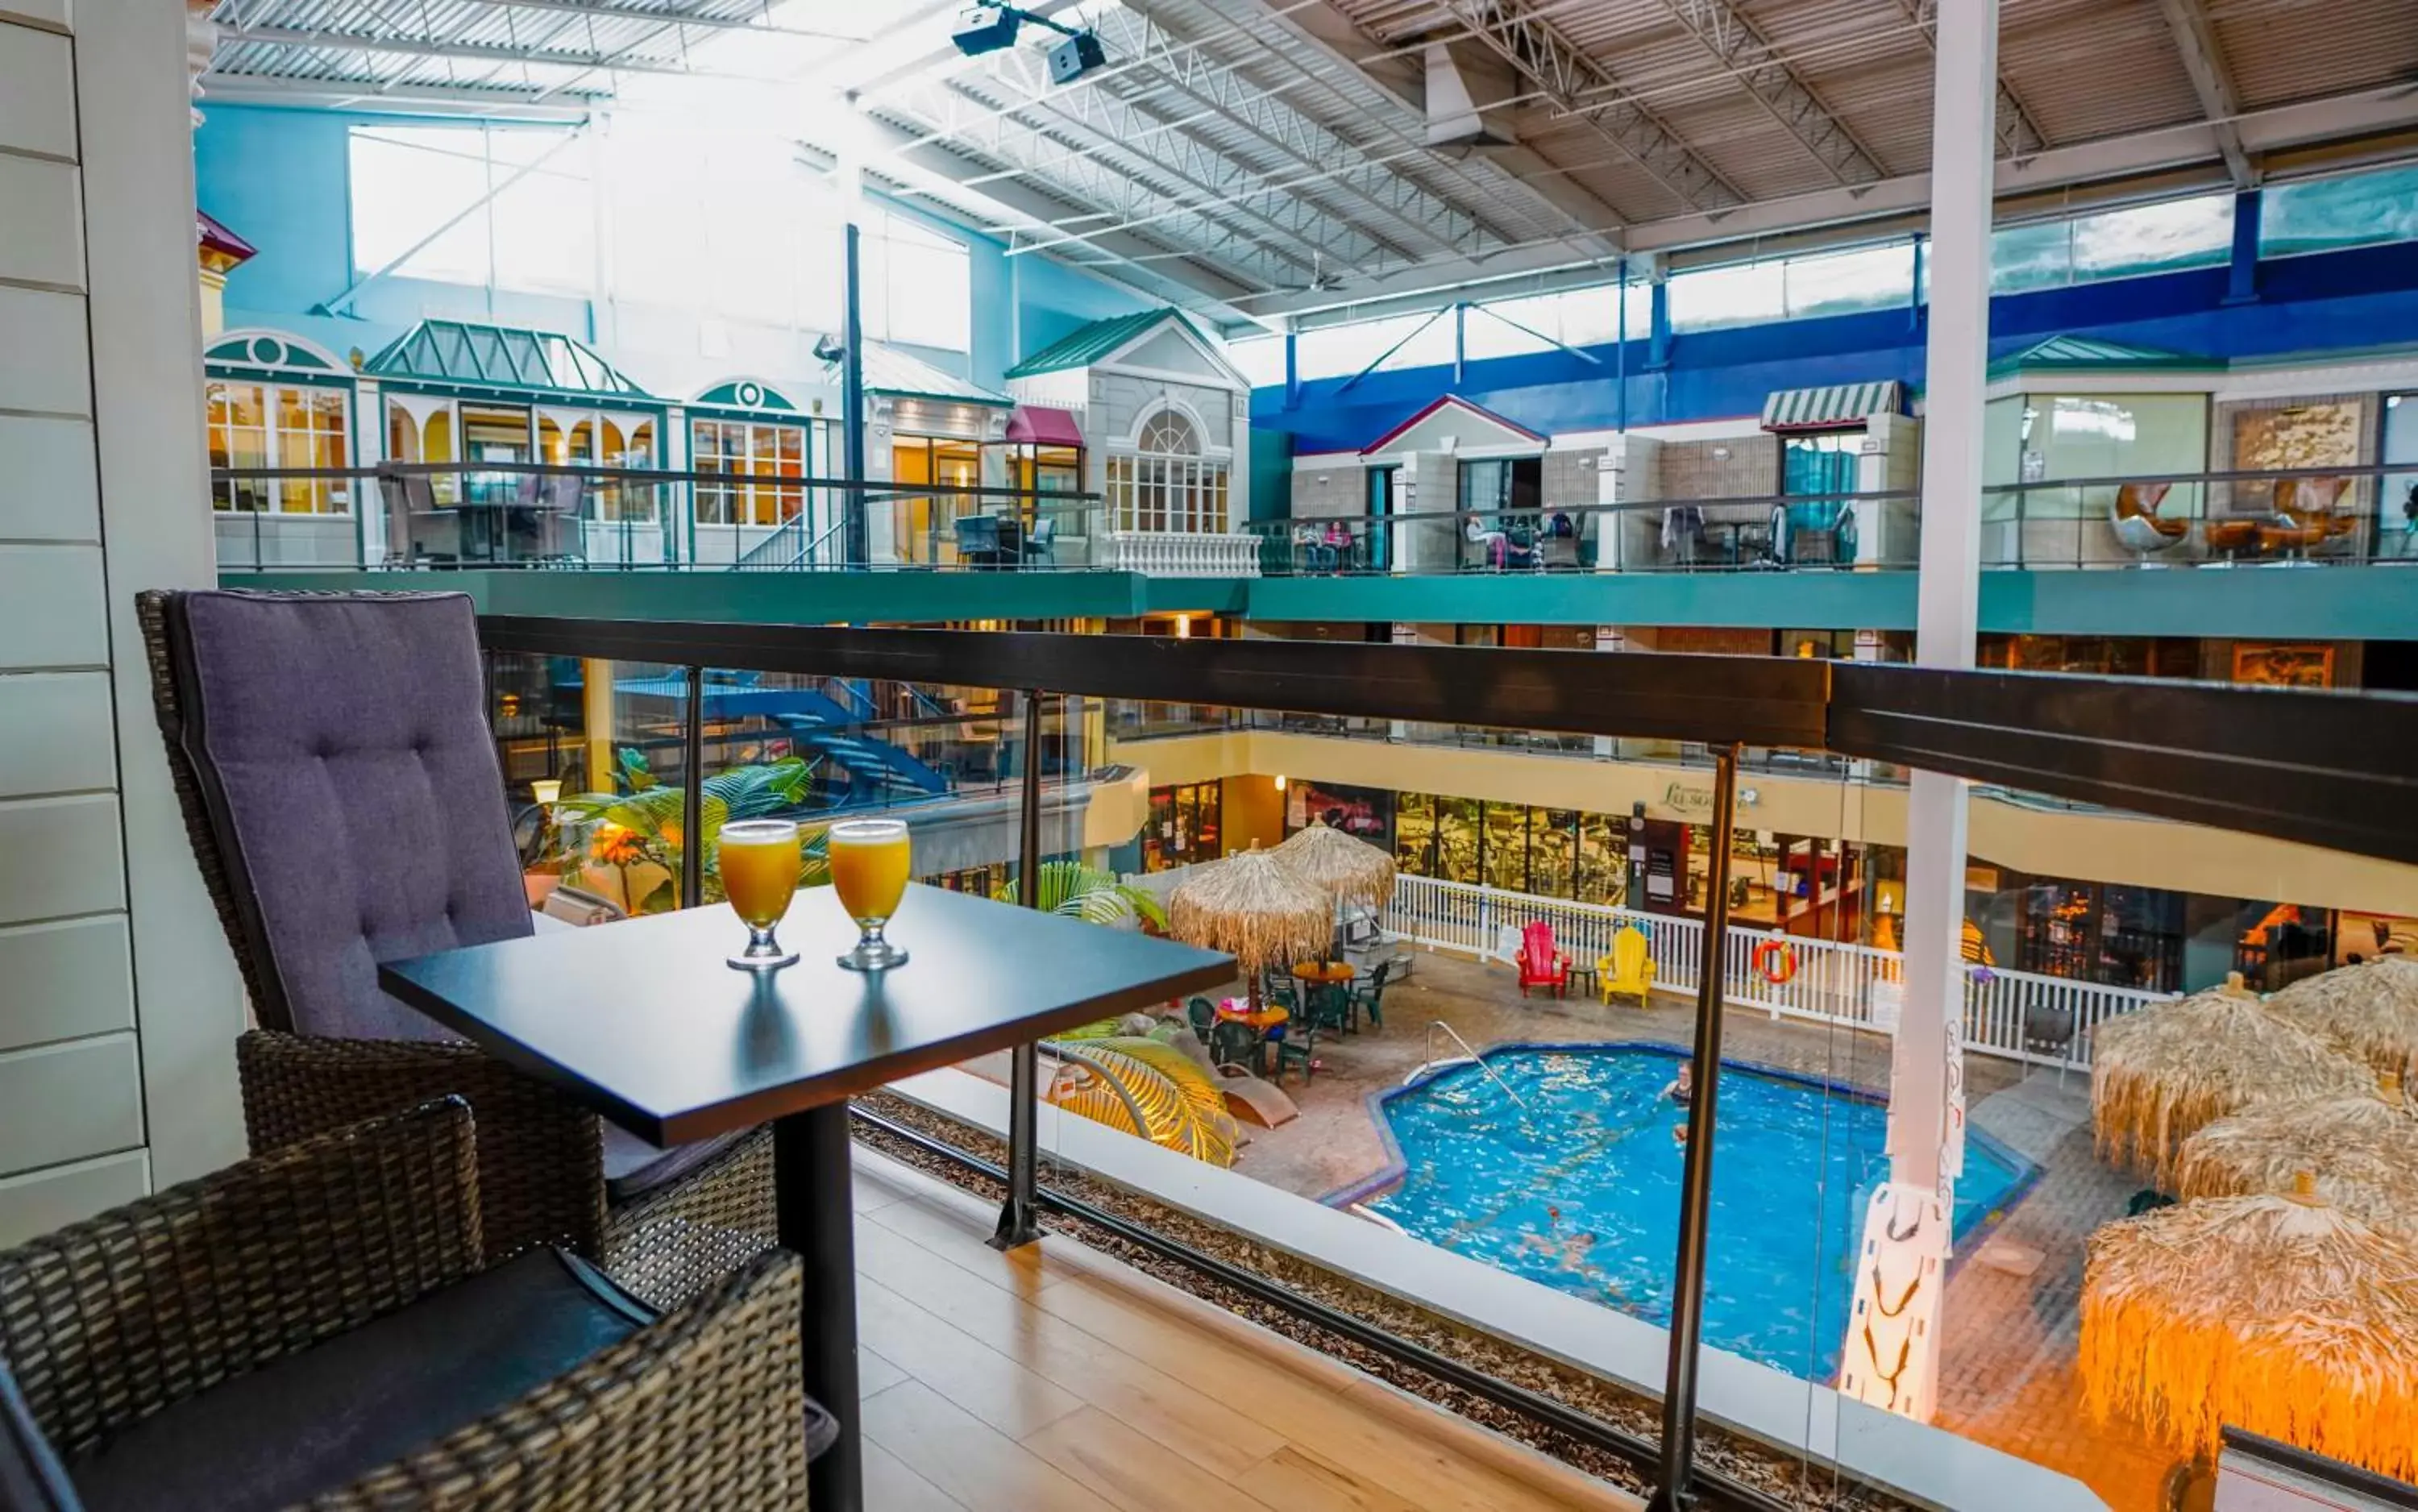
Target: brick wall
<point>1326,493</point>
<point>1742,468</point>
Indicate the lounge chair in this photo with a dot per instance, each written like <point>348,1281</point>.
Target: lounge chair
<point>1626,970</point>
<point>1542,964</point>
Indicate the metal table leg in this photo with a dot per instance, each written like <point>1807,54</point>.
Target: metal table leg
<point>817,1220</point>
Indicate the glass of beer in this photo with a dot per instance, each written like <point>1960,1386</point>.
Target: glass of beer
<point>760,875</point>
<point>869,864</point>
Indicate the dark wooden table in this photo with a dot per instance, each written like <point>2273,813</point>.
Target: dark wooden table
<point>643,1022</point>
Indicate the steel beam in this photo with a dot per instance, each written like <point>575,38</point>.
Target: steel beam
<point>1757,66</point>
<point>1567,75</point>
<point>2211,81</point>
<point>2018,135</point>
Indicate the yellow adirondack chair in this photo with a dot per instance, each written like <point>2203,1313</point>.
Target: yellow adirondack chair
<point>1628,969</point>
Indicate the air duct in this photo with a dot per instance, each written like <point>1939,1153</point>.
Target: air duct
<point>1467,89</point>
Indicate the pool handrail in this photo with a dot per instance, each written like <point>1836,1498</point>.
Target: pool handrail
<point>1434,1024</point>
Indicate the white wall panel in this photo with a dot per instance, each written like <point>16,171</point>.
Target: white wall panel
<point>56,734</point>
<point>71,1102</point>
<point>64,981</point>
<point>41,233</point>
<point>53,607</point>
<point>45,362</point>
<point>37,90</point>
<point>49,487</point>
<point>42,1200</point>
<point>59,857</point>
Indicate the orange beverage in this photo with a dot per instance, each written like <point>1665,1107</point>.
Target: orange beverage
<point>869,865</point>
<point>760,869</point>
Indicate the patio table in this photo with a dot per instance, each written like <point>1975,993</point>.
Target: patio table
<point>644,1022</point>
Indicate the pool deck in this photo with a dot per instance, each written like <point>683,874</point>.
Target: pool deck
<point>2007,1378</point>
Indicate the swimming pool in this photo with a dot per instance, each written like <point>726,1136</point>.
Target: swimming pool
<point>1580,1192</point>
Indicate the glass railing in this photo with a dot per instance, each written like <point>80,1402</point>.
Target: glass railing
<point>2352,513</point>
<point>1461,1133</point>
<point>531,517</point>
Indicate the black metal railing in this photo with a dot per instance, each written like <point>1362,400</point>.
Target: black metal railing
<point>2322,767</point>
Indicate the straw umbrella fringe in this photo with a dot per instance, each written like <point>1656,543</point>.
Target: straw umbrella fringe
<point>2280,1315</point>
<point>2159,1075</point>
<point>2370,1010</point>
<point>2361,1152</point>
<point>1253,907</point>
<point>1349,870</point>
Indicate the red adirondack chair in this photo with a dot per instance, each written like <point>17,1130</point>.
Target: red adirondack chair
<point>1541,965</point>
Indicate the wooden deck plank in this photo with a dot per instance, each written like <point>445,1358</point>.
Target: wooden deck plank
<point>983,1469</point>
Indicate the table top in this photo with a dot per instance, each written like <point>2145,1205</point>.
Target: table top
<point>643,1021</point>
<point>1323,971</point>
<point>1240,1012</point>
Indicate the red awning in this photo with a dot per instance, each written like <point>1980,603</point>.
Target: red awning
<point>1040,425</point>
<point>217,238</point>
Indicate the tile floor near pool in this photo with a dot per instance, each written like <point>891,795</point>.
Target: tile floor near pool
<point>2008,1376</point>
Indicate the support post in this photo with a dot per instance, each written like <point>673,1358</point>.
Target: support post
<point>1892,1353</point>
<point>1621,353</point>
<point>2241,274</point>
<point>1657,331</point>
<point>693,794</point>
<point>851,400</point>
<point>596,723</point>
<point>1673,1492</point>
<point>1018,1216</point>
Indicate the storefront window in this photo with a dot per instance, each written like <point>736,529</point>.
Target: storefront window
<point>1167,484</point>
<point>1553,840</point>
<point>2102,435</point>
<point>308,430</point>
<point>1456,839</point>
<point>1185,826</point>
<point>1414,829</point>
<point>1602,859</point>
<point>752,450</point>
<point>1506,862</point>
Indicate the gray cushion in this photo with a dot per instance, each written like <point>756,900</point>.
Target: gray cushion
<point>346,752</point>
<point>633,1167</point>
<point>320,1419</point>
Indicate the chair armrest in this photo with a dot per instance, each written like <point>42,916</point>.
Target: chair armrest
<point>110,1319</point>
<point>706,1408</point>
<point>540,1155</point>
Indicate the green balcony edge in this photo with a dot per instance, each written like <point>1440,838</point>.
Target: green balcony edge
<point>2350,603</point>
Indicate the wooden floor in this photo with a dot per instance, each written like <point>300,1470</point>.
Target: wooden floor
<point>1057,1380</point>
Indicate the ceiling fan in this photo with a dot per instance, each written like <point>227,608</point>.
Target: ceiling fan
<point>1321,278</point>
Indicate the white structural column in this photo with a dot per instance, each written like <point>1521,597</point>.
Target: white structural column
<point>1893,1329</point>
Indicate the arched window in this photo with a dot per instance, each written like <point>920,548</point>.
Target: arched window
<point>1165,483</point>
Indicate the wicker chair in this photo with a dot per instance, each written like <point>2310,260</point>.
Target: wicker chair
<point>372,726</point>
<point>315,1325</point>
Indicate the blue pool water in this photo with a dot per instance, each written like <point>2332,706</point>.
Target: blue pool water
<point>1581,1191</point>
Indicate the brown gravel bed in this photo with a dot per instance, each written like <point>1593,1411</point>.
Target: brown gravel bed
<point>1814,1488</point>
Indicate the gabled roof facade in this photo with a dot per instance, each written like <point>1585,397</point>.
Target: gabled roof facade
<point>501,356</point>
<point>1102,341</point>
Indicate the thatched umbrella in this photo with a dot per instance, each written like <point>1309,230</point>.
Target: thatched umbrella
<point>1348,870</point>
<point>1255,909</point>
<point>2371,1010</point>
<point>2282,1315</point>
<point>2160,1074</point>
<point>2363,1152</point>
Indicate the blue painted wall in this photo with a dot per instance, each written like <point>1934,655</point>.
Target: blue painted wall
<point>2325,303</point>
<point>281,179</point>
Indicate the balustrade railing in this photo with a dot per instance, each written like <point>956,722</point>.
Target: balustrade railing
<point>2016,1015</point>
<point>1179,553</point>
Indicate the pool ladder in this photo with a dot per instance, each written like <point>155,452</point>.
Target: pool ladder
<point>1468,1055</point>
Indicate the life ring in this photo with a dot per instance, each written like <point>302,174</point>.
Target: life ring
<point>1775,961</point>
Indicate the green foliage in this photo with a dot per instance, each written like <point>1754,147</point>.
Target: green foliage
<point>1092,896</point>
<point>652,813</point>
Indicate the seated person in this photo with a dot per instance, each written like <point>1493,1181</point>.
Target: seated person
<point>1491,539</point>
<point>1681,1089</point>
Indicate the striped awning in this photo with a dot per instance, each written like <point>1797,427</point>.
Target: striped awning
<point>1844,403</point>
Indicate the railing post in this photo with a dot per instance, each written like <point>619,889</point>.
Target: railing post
<point>693,794</point>
<point>1016,1221</point>
<point>1672,1493</point>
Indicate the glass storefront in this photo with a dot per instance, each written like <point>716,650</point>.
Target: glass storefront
<point>1185,826</point>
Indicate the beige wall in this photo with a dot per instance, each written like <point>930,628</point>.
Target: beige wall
<point>118,1005</point>
<point>1253,813</point>
<point>2091,846</point>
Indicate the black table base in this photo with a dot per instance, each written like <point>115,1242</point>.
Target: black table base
<point>816,1216</point>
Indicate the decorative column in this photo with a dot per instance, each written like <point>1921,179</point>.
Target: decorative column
<point>1609,638</point>
<point>1891,1352</point>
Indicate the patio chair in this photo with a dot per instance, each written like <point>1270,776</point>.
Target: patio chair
<point>294,720</point>
<point>1234,1043</point>
<point>979,543</point>
<point>2139,525</point>
<point>1626,970</point>
<point>1203,1015</point>
<point>1295,1043</point>
<point>1541,964</point>
<point>1369,994</point>
<point>1041,543</point>
<point>315,1324</point>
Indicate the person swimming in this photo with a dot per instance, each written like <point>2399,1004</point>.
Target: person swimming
<point>1681,1089</point>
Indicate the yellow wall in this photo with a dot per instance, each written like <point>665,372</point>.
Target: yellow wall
<point>2087,847</point>
<point>1254,812</point>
